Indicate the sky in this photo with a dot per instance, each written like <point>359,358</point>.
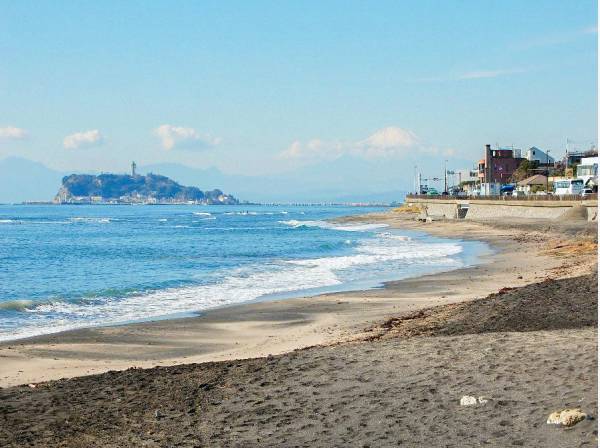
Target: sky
<point>263,88</point>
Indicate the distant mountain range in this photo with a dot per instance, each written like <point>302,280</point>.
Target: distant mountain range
<point>344,180</point>
<point>25,180</point>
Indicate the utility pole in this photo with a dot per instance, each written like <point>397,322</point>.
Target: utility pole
<point>445,177</point>
<point>415,181</point>
<point>547,169</point>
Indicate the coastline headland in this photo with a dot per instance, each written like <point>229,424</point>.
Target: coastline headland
<point>367,367</point>
<point>134,189</point>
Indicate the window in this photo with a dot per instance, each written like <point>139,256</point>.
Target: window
<point>586,170</point>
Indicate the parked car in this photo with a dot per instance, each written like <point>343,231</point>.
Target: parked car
<point>432,192</point>
<point>587,192</point>
<point>456,191</point>
<point>518,194</point>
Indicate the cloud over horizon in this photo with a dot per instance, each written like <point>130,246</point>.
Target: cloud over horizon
<point>475,74</point>
<point>12,133</point>
<point>172,137</point>
<point>388,142</point>
<point>84,139</point>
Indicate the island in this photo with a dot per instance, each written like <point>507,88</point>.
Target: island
<point>134,189</point>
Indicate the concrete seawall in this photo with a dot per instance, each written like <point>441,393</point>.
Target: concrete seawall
<point>481,209</point>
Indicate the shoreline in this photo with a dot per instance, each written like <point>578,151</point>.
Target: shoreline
<point>279,326</point>
<point>475,257</point>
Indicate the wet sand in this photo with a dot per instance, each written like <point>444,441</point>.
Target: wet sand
<point>274,327</point>
<point>389,369</point>
<point>397,389</point>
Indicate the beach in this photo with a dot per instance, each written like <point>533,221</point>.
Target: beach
<point>378,367</point>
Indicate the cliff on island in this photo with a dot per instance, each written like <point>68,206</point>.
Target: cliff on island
<point>124,188</point>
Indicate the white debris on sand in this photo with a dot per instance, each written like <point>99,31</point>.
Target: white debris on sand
<point>469,400</point>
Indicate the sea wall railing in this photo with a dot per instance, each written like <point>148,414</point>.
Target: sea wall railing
<point>548,197</point>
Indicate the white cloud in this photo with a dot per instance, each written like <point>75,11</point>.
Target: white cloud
<point>475,74</point>
<point>180,137</point>
<point>389,142</point>
<point>12,133</point>
<point>84,139</point>
<point>556,38</point>
<point>479,74</point>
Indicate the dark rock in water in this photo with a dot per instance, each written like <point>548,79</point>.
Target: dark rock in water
<point>152,188</point>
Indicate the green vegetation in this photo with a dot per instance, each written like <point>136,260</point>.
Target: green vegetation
<point>125,187</point>
<point>523,171</point>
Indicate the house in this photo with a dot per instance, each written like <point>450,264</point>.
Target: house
<point>534,154</point>
<point>533,184</point>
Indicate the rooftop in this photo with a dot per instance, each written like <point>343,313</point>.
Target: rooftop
<point>537,179</point>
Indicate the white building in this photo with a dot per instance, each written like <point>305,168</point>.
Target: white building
<point>534,154</point>
<point>588,170</point>
<point>465,175</point>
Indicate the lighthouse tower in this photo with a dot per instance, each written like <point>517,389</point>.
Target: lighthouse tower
<point>133,167</point>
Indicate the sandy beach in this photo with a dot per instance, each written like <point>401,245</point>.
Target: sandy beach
<point>275,327</point>
<point>381,367</point>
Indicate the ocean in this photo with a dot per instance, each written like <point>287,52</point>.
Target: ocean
<point>66,267</point>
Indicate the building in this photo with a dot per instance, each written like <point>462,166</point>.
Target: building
<point>572,159</point>
<point>588,171</point>
<point>465,175</point>
<point>498,165</point>
<point>534,154</point>
<point>533,184</point>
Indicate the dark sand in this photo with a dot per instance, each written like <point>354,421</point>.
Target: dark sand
<point>532,350</point>
<point>276,327</point>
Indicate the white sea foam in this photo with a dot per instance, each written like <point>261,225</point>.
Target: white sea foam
<point>385,249</point>
<point>253,213</point>
<point>328,225</point>
<point>26,222</point>
<point>91,219</point>
<point>206,218</point>
<point>202,214</point>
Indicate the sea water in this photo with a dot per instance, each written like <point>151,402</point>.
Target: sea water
<point>65,267</point>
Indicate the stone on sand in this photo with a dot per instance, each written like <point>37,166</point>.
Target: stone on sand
<point>566,417</point>
<point>469,400</point>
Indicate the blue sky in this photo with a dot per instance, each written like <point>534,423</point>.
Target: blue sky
<point>264,87</point>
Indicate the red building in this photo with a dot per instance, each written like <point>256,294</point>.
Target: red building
<point>498,165</point>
